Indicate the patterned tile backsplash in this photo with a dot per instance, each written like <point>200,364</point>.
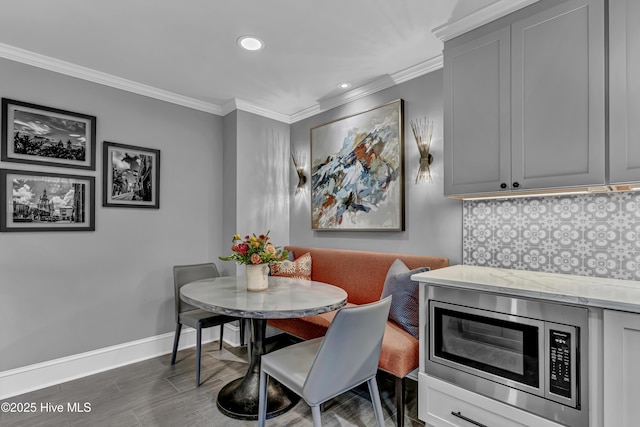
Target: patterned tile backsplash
<point>588,235</point>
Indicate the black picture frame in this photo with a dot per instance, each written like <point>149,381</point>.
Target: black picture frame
<point>131,176</point>
<point>39,135</point>
<point>45,201</point>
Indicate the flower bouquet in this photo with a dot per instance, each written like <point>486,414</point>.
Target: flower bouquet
<point>256,252</point>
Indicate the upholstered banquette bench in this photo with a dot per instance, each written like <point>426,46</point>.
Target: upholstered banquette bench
<point>362,274</point>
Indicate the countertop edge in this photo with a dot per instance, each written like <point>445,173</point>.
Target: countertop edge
<point>528,289</point>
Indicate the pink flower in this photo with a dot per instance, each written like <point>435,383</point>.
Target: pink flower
<point>270,249</point>
<point>256,259</point>
<point>242,248</point>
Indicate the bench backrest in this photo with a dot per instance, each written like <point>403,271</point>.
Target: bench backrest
<point>360,273</point>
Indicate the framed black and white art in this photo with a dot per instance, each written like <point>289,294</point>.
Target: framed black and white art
<point>40,135</point>
<point>44,201</point>
<point>131,176</point>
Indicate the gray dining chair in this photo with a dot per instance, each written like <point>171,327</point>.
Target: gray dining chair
<point>196,318</point>
<point>325,367</point>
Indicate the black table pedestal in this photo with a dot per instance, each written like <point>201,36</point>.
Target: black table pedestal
<point>239,399</point>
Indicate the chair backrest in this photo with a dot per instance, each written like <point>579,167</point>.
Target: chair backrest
<point>183,274</point>
<point>349,353</point>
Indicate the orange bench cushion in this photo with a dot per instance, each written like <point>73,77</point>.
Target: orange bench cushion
<point>399,354</point>
<point>360,273</point>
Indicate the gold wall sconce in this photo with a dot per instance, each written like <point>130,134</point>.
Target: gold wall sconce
<point>422,132</point>
<point>298,164</point>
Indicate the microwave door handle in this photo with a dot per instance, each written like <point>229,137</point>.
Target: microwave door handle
<point>467,419</point>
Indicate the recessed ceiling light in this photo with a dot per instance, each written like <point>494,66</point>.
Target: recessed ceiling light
<point>344,85</point>
<point>250,43</point>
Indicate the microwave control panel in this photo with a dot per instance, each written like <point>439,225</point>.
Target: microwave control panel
<point>560,363</point>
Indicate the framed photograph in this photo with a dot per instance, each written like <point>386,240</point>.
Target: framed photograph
<point>131,176</point>
<point>357,171</point>
<point>39,201</point>
<point>47,136</point>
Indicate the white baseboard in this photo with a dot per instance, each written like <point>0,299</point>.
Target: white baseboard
<point>40,375</point>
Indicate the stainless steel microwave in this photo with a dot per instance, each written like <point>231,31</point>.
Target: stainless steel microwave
<point>528,353</point>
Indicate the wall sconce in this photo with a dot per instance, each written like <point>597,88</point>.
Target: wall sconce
<point>422,132</point>
<point>298,163</point>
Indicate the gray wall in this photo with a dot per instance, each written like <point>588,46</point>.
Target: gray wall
<point>256,181</point>
<point>433,223</point>
<point>64,293</point>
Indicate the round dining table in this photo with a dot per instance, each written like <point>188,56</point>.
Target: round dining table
<point>284,298</point>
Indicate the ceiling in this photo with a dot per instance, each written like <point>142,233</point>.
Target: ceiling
<point>186,50</point>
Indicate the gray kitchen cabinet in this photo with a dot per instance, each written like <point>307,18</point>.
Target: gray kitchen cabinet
<point>624,90</point>
<point>621,368</point>
<point>477,151</point>
<point>524,101</point>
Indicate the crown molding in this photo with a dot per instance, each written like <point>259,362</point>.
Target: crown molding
<point>377,85</point>
<point>480,17</point>
<point>306,113</point>
<point>370,88</point>
<point>52,64</point>
<point>240,104</point>
<point>73,70</point>
<point>418,70</point>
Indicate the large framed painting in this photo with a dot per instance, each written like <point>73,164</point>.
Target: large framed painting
<point>131,176</point>
<point>357,171</point>
<point>47,136</point>
<point>42,201</point>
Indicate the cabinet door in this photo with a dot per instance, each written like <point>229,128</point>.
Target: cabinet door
<point>477,115</point>
<point>624,91</point>
<point>621,369</point>
<point>557,72</point>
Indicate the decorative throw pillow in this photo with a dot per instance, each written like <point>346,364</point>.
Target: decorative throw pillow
<point>297,269</point>
<point>404,302</point>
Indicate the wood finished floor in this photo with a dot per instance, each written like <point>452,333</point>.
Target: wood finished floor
<point>154,393</point>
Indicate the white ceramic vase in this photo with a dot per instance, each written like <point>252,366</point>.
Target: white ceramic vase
<point>257,277</point>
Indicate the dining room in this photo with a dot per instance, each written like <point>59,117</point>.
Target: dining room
<point>161,165</point>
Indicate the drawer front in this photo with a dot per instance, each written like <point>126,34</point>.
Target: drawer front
<point>444,405</point>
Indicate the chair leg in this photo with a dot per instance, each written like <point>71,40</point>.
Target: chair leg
<point>176,339</point>
<point>317,416</point>
<point>262,398</point>
<point>242,327</point>
<point>221,335</point>
<point>198,349</point>
<point>375,400</point>
<point>400,386</point>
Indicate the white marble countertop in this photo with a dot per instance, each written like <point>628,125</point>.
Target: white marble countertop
<point>564,288</point>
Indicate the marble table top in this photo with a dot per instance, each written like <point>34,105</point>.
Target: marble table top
<point>564,288</point>
<point>284,298</point>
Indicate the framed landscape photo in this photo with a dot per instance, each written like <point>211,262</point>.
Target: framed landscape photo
<point>131,176</point>
<point>47,136</point>
<point>42,201</point>
<point>357,171</point>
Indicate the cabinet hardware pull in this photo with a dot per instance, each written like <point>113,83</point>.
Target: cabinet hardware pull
<point>503,185</point>
<point>516,185</point>
<point>459,415</point>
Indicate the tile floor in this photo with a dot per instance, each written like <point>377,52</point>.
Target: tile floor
<point>154,393</point>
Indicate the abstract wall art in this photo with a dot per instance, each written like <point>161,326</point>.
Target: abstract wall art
<point>357,171</point>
